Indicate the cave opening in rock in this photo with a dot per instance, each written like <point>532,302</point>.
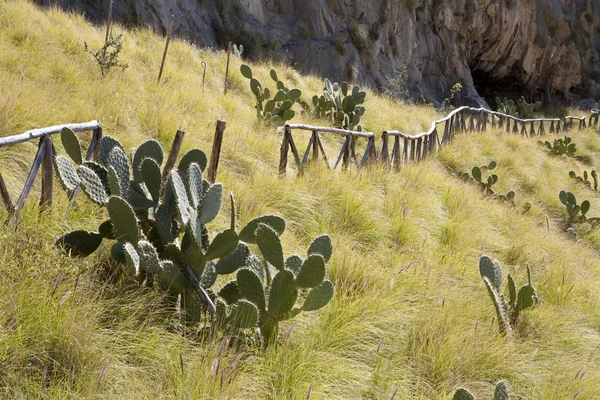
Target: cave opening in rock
<point>489,87</point>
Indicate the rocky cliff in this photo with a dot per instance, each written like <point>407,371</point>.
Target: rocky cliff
<point>543,49</point>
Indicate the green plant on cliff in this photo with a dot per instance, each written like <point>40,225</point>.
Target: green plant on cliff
<point>342,103</point>
<point>485,184</point>
<point>107,56</point>
<point>161,235</point>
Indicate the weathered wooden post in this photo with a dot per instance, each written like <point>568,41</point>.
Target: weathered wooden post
<point>216,151</point>
<point>162,64</point>
<point>47,169</point>
<point>203,74</point>
<point>541,130</point>
<point>5,196</point>
<point>384,150</point>
<point>396,152</point>
<point>227,68</point>
<point>173,154</point>
<point>108,21</point>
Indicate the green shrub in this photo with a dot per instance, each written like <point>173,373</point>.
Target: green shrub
<point>485,184</point>
<point>342,103</point>
<point>108,55</point>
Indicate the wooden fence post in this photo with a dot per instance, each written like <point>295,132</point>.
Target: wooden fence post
<point>47,169</point>
<point>227,68</point>
<point>162,64</point>
<point>216,151</point>
<point>311,146</point>
<point>37,161</point>
<point>552,126</point>
<point>396,152</point>
<point>368,152</point>
<point>284,152</point>
<point>541,130</point>
<point>203,74</point>
<point>320,146</point>
<point>173,154</point>
<point>384,152</point>
<point>5,196</point>
<point>523,128</point>
<point>108,21</point>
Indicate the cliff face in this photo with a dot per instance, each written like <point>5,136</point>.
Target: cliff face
<point>544,49</point>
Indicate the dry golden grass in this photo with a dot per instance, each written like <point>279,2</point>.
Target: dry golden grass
<point>410,313</point>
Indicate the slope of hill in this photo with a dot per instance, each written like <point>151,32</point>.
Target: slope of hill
<point>410,316</point>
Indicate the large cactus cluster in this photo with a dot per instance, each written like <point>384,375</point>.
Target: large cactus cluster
<point>266,293</point>
<point>521,109</point>
<point>584,178</point>
<point>276,110</point>
<point>342,103</point>
<point>161,233</point>
<point>524,298</point>
<point>485,184</point>
<point>500,393</point>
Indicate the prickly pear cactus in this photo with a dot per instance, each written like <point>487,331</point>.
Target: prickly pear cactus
<point>342,104</point>
<point>506,312</point>
<point>160,228</point>
<point>276,110</point>
<point>274,284</point>
<point>485,184</point>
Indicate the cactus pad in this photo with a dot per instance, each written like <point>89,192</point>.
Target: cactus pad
<point>244,315</point>
<point>500,306</point>
<point>490,269</point>
<point>92,185</point>
<point>254,264</point>
<point>293,264</point>
<point>132,258</point>
<point>171,278</point>
<point>230,292</point>
<point>501,391</point>
<point>79,243</point>
<point>192,304</point>
<point>321,245</point>
<point>151,177</point>
<point>149,149</point>
<point>106,230</point>
<point>462,394</point>
<point>318,297</point>
<point>525,298</point>
<point>270,245</point>
<point>283,294</point>
<point>209,275</point>
<point>180,194</point>
<point>117,158</point>
<point>67,173</point>
<point>194,184</point>
<point>234,261</point>
<point>123,219</point>
<point>222,245</point>
<point>148,257</point>
<point>193,156</point>
<point>113,182</point>
<point>250,287</point>
<point>107,143</point>
<point>312,272</point>
<point>71,144</point>
<point>211,204</point>
<point>248,233</point>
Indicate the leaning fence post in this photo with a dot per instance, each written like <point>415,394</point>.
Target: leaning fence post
<point>384,150</point>
<point>173,153</point>
<point>47,169</point>
<point>216,151</point>
<point>227,68</point>
<point>162,64</point>
<point>284,151</point>
<point>5,196</point>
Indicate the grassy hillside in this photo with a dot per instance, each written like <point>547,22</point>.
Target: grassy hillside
<point>410,315</point>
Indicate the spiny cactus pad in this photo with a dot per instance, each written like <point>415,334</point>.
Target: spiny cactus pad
<point>151,177</point>
<point>79,243</point>
<point>230,292</point>
<point>117,158</point>
<point>113,182</point>
<point>124,221</point>
<point>232,262</point>
<point>148,257</point>
<point>107,143</point>
<point>194,184</point>
<point>501,391</point>
<point>244,315</point>
<point>322,245</point>
<point>193,156</point>
<point>491,269</point>
<point>106,230</point>
<point>92,185</point>
<point>171,278</point>
<point>248,233</point>
<point>71,144</point>
<point>254,264</point>
<point>211,204</point>
<point>270,245</point>
<point>67,173</point>
<point>293,264</point>
<point>462,394</point>
<point>149,149</point>
<point>312,272</point>
<point>209,275</point>
<point>180,195</point>
<point>222,245</point>
<point>283,294</point>
<point>318,297</point>
<point>132,258</point>
<point>250,287</point>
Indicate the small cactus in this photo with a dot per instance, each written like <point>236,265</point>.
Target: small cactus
<point>342,103</point>
<point>500,393</point>
<point>524,298</point>
<point>561,147</point>
<point>484,184</point>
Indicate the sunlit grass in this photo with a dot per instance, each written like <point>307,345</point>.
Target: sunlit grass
<point>410,313</point>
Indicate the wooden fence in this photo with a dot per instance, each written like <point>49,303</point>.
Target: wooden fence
<point>314,144</point>
<point>414,148</point>
<point>46,152</point>
<point>44,158</point>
